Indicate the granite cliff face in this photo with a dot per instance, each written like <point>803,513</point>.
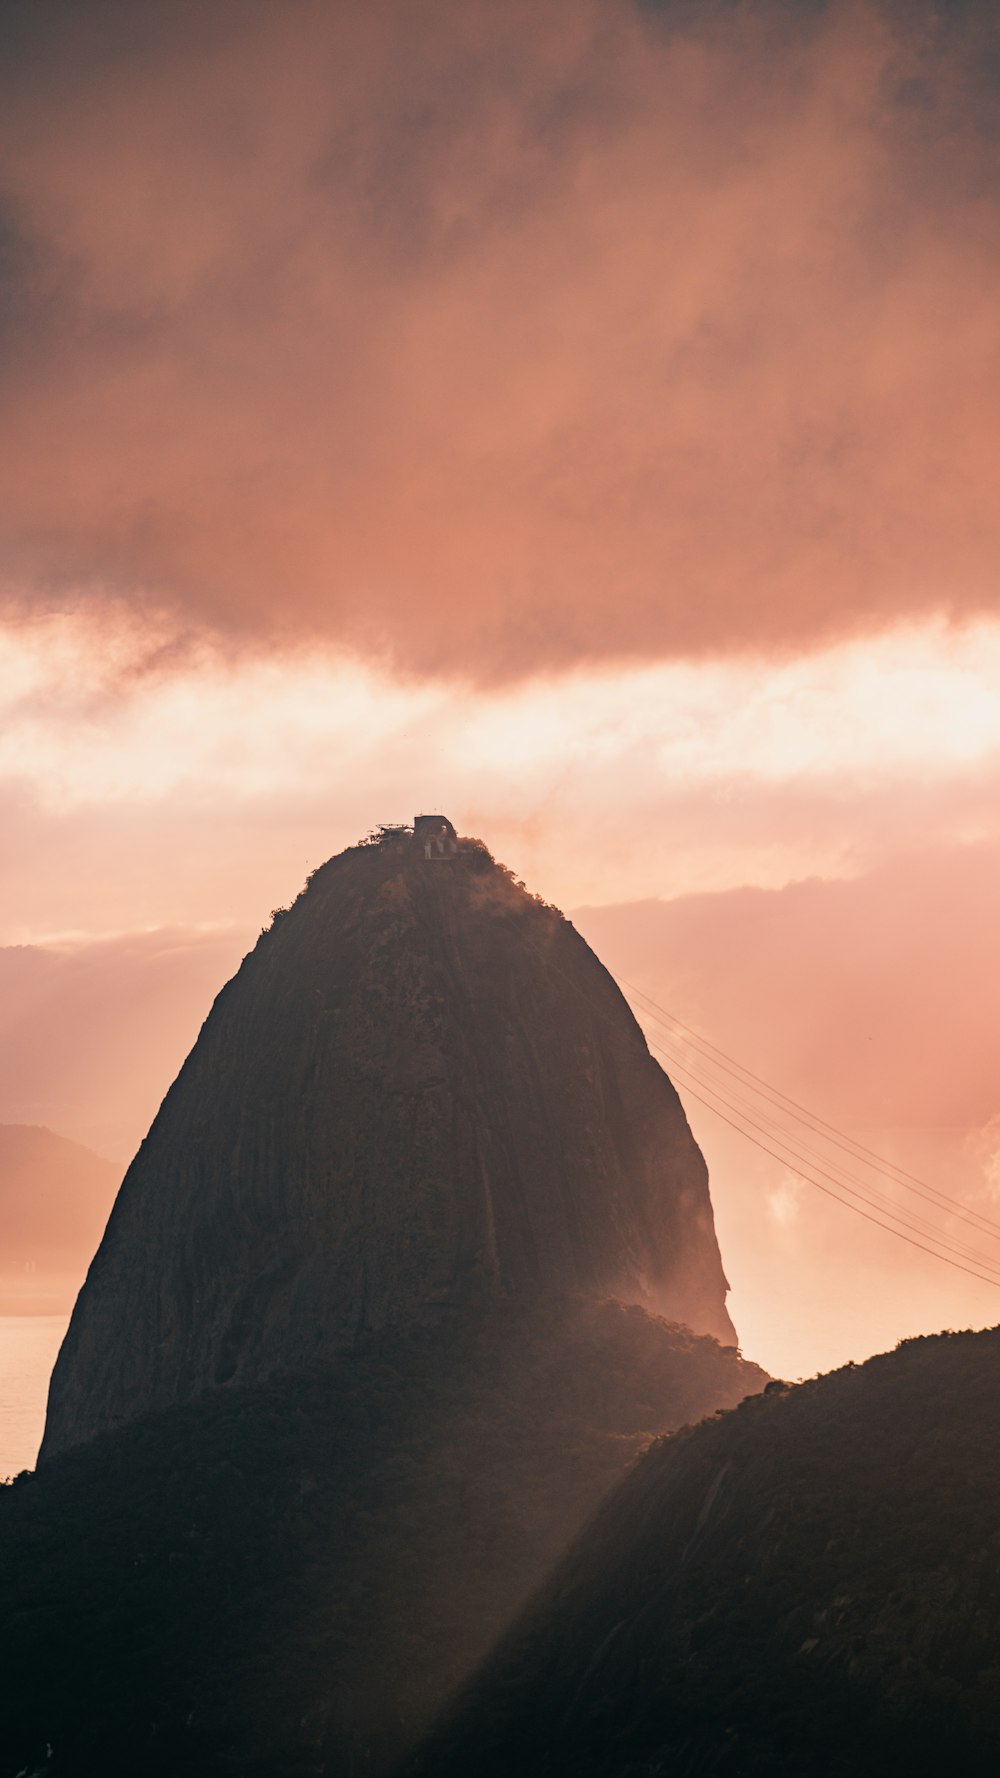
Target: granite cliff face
<point>421,1088</point>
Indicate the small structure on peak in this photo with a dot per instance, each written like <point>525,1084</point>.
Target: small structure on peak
<point>435,836</point>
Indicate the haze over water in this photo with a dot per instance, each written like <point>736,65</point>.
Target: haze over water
<point>28,1347</point>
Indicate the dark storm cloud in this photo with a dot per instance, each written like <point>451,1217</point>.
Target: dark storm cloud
<point>490,337</point>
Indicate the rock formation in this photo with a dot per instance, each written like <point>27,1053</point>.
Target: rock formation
<point>421,1088</point>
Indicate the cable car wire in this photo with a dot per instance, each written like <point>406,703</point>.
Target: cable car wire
<point>799,1169</point>
<point>932,1194</point>
<point>792,1145</point>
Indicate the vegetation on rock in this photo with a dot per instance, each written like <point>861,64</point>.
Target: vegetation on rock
<point>808,1585</point>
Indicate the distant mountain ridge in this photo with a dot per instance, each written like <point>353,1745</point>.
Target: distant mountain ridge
<point>421,1087</point>
<point>55,1196</point>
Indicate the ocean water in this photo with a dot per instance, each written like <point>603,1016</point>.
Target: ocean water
<point>28,1347</point>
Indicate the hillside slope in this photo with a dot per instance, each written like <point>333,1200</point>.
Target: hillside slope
<point>809,1585</point>
<point>421,1087</point>
<point>290,1579</point>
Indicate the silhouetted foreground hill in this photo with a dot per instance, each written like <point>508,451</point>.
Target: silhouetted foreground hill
<point>54,1201</point>
<point>806,1587</point>
<point>289,1579</point>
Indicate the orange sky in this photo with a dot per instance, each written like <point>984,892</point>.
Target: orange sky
<point>581,418</point>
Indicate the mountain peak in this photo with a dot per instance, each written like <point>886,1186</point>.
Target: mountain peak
<point>420,1087</point>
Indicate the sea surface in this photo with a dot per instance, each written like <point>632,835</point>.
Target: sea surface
<point>28,1347</point>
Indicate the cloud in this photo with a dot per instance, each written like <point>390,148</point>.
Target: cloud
<point>485,339</point>
<point>871,999</point>
<point>202,794</point>
<point>983,1146</point>
<point>784,1200</point>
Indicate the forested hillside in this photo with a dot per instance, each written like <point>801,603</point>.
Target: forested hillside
<point>808,1586</point>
